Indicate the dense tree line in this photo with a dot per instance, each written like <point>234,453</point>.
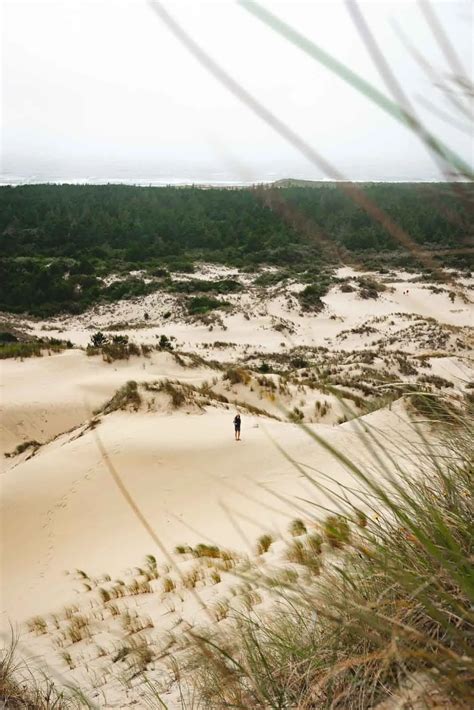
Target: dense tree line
<point>57,241</point>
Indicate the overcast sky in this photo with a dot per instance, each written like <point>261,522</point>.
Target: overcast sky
<point>102,90</point>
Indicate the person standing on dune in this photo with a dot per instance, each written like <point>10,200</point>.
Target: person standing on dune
<point>237,423</point>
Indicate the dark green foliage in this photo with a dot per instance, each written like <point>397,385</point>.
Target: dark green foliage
<point>271,278</point>
<point>299,362</point>
<point>310,297</point>
<point>7,337</point>
<point>165,342</point>
<point>203,304</point>
<point>58,241</point>
<point>434,408</point>
<point>120,339</point>
<point>98,339</point>
<point>202,286</point>
<point>435,380</point>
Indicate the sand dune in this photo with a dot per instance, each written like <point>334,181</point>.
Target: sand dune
<point>43,397</point>
<point>61,509</point>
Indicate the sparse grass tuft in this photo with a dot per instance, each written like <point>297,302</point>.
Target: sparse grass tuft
<point>78,628</point>
<point>127,396</point>
<point>168,585</point>
<point>297,527</point>
<point>37,625</point>
<point>264,543</point>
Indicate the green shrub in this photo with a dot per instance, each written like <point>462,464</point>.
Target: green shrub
<point>202,286</point>
<point>204,304</point>
<point>434,408</point>
<point>98,340</point>
<point>165,343</point>
<point>310,297</point>
<point>32,348</point>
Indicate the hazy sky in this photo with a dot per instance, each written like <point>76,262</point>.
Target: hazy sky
<point>101,90</point>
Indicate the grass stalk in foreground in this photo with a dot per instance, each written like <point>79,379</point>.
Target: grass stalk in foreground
<point>394,602</point>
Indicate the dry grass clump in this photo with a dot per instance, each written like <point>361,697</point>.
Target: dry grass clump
<point>191,578</point>
<point>264,543</point>
<point>138,586</point>
<point>220,610</point>
<point>336,530</point>
<point>302,553</point>
<point>127,396</point>
<point>132,622</point>
<point>203,550</point>
<point>176,394</point>
<point>32,348</point>
<point>237,376</point>
<point>37,625</point>
<point>21,689</point>
<point>119,347</point>
<point>215,577</point>
<point>168,585</point>
<point>434,408</point>
<point>21,448</point>
<point>297,527</point>
<point>78,629</point>
<point>183,549</point>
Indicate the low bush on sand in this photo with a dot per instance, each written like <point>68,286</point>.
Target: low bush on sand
<point>202,286</point>
<point>24,446</point>
<point>237,376</point>
<point>203,304</point>
<point>310,297</point>
<point>32,348</point>
<point>118,347</point>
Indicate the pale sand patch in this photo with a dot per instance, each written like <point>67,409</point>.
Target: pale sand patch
<point>61,509</point>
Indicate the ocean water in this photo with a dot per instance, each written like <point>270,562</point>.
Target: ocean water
<point>95,172</point>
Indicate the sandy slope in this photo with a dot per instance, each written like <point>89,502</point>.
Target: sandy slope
<point>256,313</point>
<point>61,509</point>
<point>43,397</point>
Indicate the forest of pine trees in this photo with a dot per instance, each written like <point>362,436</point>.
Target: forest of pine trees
<point>57,241</point>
